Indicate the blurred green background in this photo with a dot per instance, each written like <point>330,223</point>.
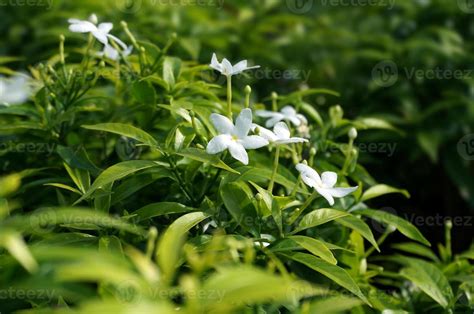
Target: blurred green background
<point>410,62</point>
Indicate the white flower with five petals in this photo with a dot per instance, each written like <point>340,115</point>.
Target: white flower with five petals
<point>235,138</point>
<point>226,68</point>
<point>287,113</point>
<point>280,135</point>
<point>324,185</point>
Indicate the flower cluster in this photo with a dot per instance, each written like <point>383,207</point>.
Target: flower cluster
<point>101,32</point>
<point>236,138</point>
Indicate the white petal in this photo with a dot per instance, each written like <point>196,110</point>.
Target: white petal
<point>93,18</point>
<point>309,172</point>
<point>281,130</point>
<point>302,118</point>
<point>253,142</point>
<point>215,63</point>
<point>271,122</point>
<point>226,67</point>
<point>238,152</point>
<point>341,192</point>
<point>218,144</point>
<point>294,120</point>
<point>82,27</point>
<point>100,36</point>
<point>118,41</point>
<point>288,111</point>
<point>329,179</point>
<point>239,67</point>
<point>105,27</point>
<point>292,140</point>
<point>110,52</point>
<point>263,132</point>
<point>222,124</point>
<point>326,194</point>
<point>243,123</point>
<point>266,113</point>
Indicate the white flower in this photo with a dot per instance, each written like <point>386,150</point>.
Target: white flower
<point>14,90</point>
<point>100,32</point>
<point>280,135</point>
<point>235,138</point>
<point>112,53</point>
<point>287,113</point>
<point>324,185</point>
<point>227,69</point>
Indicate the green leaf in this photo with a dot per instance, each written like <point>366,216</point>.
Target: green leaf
<point>171,70</point>
<point>234,287</point>
<point>417,249</point>
<point>334,304</point>
<point>429,279</point>
<point>144,92</point>
<point>238,199</point>
<point>170,245</point>
<point>160,209</point>
<point>125,130</point>
<point>46,218</point>
<point>202,156</point>
<point>316,247</point>
<point>318,217</point>
<point>405,227</point>
<point>117,172</point>
<point>382,189</point>
<point>376,123</point>
<point>64,187</point>
<point>361,227</point>
<point>17,247</point>
<point>9,184</point>
<point>335,273</point>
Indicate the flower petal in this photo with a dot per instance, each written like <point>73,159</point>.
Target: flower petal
<point>266,113</point>
<point>341,192</point>
<point>243,123</point>
<point>82,26</point>
<point>263,132</point>
<point>254,142</point>
<point>218,144</point>
<point>100,36</point>
<point>226,67</point>
<point>238,152</point>
<point>309,172</point>
<point>326,194</point>
<point>105,27</point>
<point>281,131</point>
<point>222,124</point>
<point>329,179</point>
<point>288,111</point>
<point>118,41</point>
<point>239,67</point>
<point>271,122</point>
<point>215,63</point>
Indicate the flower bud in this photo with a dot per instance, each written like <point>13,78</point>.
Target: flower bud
<point>312,151</point>
<point>353,133</point>
<point>248,89</point>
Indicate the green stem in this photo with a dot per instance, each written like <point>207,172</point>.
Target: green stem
<point>300,210</point>
<point>380,241</point>
<point>229,97</point>
<point>275,169</point>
